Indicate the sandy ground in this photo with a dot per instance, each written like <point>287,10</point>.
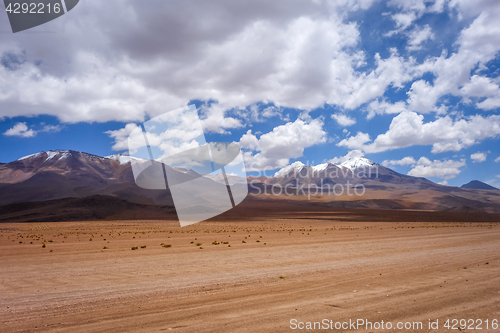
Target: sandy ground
<point>271,271</point>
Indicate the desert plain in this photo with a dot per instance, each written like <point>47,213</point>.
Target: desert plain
<point>253,272</point>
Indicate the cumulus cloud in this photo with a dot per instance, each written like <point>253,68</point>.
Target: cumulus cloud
<point>214,119</point>
<point>479,87</point>
<point>343,120</point>
<point>171,133</point>
<point>351,154</point>
<point>297,54</point>
<point>409,160</point>
<point>20,129</point>
<point>444,134</point>
<point>249,60</point>
<point>275,149</point>
<point>497,159</point>
<point>445,169</point>
<point>121,138</point>
<point>478,157</point>
<point>383,107</point>
<point>477,44</point>
<point>418,36</point>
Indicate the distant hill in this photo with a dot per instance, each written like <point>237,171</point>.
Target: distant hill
<point>477,185</point>
<point>97,207</point>
<point>61,174</point>
<point>65,185</point>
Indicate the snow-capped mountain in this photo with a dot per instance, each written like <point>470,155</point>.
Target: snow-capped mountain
<point>67,173</point>
<point>124,159</point>
<point>294,167</point>
<point>359,162</point>
<point>358,170</point>
<point>109,181</point>
<point>351,164</point>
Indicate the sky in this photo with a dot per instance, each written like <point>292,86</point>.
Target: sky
<point>410,84</point>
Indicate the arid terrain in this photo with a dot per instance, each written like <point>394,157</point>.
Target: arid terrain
<point>252,274</point>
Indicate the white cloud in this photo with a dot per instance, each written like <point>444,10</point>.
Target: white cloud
<point>20,129</point>
<point>480,86</point>
<point>403,21</point>
<point>249,141</point>
<point>409,160</point>
<point>489,103</point>
<point>51,128</point>
<point>343,120</point>
<point>291,53</point>
<point>121,138</point>
<point>478,157</point>
<point>444,134</point>
<point>418,36</point>
<point>274,149</point>
<point>477,44</point>
<point>351,154</point>
<point>297,54</point>
<point>214,119</point>
<point>410,11</point>
<point>356,142</point>
<point>445,169</point>
<point>409,5</point>
<point>384,107</point>
<point>497,159</point>
<point>171,133</point>
<point>444,182</point>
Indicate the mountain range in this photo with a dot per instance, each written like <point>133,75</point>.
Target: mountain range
<point>478,185</point>
<point>66,180</point>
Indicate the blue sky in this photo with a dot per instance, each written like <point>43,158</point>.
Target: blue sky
<point>412,85</point>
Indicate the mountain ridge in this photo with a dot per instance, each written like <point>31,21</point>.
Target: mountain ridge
<point>478,185</point>
<point>62,174</point>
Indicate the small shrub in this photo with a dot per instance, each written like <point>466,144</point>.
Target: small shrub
<point>243,241</point>
<point>143,247</point>
<point>134,247</point>
<point>215,243</point>
<point>198,244</point>
<point>105,248</point>
<point>43,245</point>
<point>165,245</point>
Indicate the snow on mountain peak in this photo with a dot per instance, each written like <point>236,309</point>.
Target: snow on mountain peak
<point>29,156</point>
<point>320,167</point>
<point>51,154</point>
<point>295,166</point>
<point>124,159</point>
<point>358,162</point>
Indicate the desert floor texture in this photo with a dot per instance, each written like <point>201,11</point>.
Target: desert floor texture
<point>252,275</point>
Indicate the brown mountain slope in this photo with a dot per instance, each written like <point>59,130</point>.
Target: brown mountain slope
<point>81,209</point>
